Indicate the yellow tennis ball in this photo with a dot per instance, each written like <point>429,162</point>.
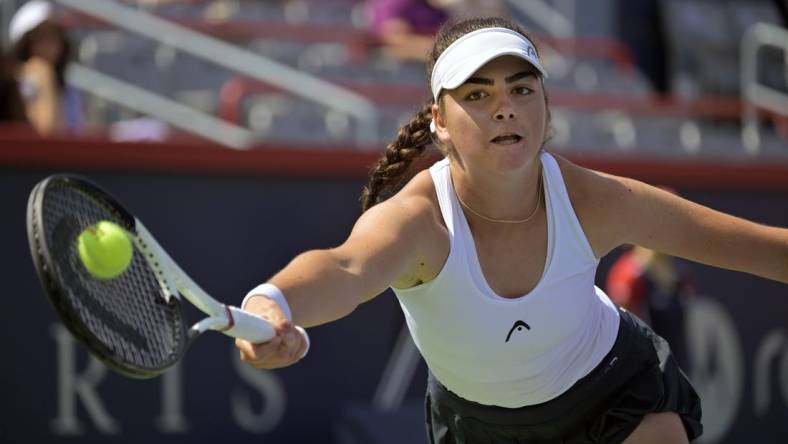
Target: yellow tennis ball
<point>105,250</point>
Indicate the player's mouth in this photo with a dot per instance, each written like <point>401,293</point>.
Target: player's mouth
<point>507,139</point>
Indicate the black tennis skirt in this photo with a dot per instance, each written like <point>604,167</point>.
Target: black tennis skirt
<point>638,376</point>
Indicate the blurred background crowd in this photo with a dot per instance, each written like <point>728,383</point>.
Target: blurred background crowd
<point>656,76</point>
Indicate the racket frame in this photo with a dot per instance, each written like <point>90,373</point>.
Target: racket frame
<point>45,269</point>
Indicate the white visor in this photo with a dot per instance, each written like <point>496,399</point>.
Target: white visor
<point>29,16</point>
<point>470,52</point>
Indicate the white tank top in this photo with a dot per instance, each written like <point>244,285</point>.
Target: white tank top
<point>512,352</point>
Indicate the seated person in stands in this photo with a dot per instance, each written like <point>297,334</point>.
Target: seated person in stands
<point>406,28</point>
<point>41,50</point>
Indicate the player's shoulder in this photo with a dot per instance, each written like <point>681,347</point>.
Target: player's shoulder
<point>588,187</point>
<point>598,200</point>
<point>412,210</point>
<point>418,197</point>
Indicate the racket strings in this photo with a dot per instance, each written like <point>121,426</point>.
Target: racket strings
<point>63,235</point>
<point>126,314</point>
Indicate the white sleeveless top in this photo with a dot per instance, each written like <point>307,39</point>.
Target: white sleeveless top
<point>512,352</point>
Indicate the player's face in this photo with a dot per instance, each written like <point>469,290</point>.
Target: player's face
<point>498,117</point>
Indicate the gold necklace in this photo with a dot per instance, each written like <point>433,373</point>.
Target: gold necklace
<point>504,221</point>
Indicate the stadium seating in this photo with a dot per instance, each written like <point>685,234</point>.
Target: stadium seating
<point>328,40</point>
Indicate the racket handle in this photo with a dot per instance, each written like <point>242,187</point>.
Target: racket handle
<point>249,327</point>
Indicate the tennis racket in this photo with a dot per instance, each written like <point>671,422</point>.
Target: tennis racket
<point>134,323</point>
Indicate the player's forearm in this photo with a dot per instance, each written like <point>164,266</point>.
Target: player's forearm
<point>767,254</point>
<point>319,288</point>
<point>782,247</point>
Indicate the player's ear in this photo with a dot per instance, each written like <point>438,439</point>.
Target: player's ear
<point>439,125</point>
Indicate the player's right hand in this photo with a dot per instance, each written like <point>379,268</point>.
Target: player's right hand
<point>286,348</point>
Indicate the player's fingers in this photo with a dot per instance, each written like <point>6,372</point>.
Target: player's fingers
<point>269,348</point>
<point>246,349</point>
<point>290,340</point>
<point>284,349</point>
<point>254,352</point>
<point>282,328</point>
<point>278,359</point>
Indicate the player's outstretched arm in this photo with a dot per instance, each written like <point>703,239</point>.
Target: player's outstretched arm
<point>324,285</point>
<point>640,214</point>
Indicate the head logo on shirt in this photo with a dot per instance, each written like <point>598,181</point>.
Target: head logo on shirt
<point>519,325</point>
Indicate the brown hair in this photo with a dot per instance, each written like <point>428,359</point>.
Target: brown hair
<point>388,175</point>
<point>23,50</point>
<point>12,107</point>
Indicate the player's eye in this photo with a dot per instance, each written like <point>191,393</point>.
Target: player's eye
<point>475,95</point>
<point>522,90</point>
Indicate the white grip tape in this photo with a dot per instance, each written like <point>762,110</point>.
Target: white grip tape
<point>249,327</point>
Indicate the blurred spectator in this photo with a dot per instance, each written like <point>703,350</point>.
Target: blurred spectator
<point>42,51</point>
<point>474,8</point>
<point>640,27</point>
<point>654,287</point>
<point>647,27</point>
<point>782,6</point>
<point>12,108</point>
<point>406,28</point>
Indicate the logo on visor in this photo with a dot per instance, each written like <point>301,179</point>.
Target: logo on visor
<point>517,326</point>
<point>532,52</point>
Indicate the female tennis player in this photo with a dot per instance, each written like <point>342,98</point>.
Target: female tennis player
<point>492,253</point>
